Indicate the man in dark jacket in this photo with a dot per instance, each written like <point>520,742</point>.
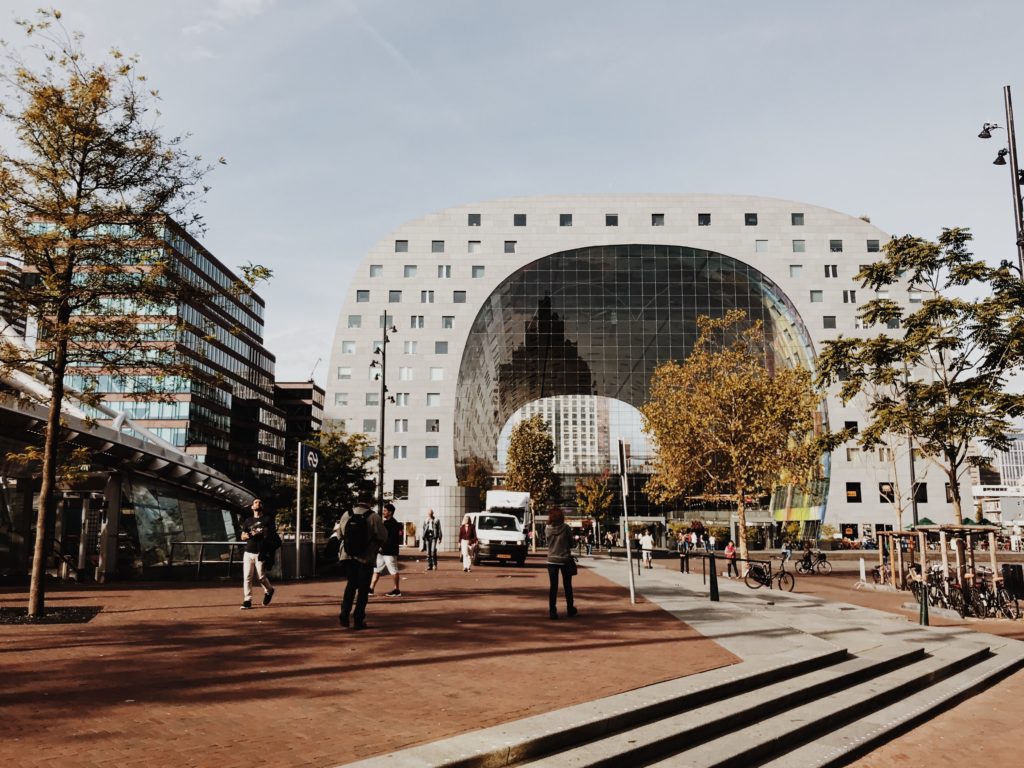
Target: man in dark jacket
<point>362,534</point>
<point>258,533</point>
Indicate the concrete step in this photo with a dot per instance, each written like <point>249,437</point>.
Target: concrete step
<point>768,738</point>
<point>679,731</point>
<point>514,742</point>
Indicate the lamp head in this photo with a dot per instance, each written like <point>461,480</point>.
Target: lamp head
<point>1001,157</point>
<point>986,130</point>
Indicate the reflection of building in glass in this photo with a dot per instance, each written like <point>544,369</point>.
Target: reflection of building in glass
<point>537,304</point>
<point>1011,461</point>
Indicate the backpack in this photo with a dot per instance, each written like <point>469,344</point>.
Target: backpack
<point>356,535</point>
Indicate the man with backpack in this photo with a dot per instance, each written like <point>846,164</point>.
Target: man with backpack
<point>362,535</point>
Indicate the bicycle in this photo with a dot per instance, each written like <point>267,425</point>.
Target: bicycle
<point>758,575</point>
<point>880,574</point>
<point>816,562</point>
<point>992,601</point>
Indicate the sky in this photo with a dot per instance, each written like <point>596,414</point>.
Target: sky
<point>342,119</point>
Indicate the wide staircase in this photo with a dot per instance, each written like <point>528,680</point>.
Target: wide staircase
<point>820,684</point>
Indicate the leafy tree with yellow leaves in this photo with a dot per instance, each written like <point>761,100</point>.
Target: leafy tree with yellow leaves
<point>594,496</point>
<point>729,420</point>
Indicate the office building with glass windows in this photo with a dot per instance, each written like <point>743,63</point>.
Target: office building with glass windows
<point>564,305</point>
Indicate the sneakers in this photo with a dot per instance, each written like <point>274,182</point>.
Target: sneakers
<point>393,593</point>
<point>247,605</point>
<point>572,611</point>
<point>370,593</point>
<point>268,597</point>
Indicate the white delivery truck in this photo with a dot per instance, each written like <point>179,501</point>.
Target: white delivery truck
<point>501,529</point>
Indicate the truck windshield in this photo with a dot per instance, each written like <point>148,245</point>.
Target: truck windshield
<point>496,523</point>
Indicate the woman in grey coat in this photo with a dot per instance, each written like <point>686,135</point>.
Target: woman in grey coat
<point>560,560</point>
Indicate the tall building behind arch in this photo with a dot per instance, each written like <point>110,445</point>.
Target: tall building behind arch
<point>508,307</point>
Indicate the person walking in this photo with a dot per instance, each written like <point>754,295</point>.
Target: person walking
<point>387,558</point>
<point>467,542</point>
<point>647,547</point>
<point>560,561</point>
<point>362,535</point>
<point>260,537</point>
<point>431,538</point>
<point>730,558</point>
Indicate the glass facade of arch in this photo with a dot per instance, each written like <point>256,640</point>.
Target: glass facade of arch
<point>596,321</point>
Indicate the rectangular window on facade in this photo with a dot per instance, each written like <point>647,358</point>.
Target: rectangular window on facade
<point>409,270</point>
<point>473,220</point>
<point>849,297</point>
<point>831,270</point>
<point>799,246</point>
<point>433,425</point>
<point>426,297</point>
<point>385,321</point>
<point>444,271</point>
<point>459,297</point>
<point>344,373</point>
<point>362,296</point>
<point>447,321</point>
<point>401,425</point>
<point>611,219</point>
<point>409,347</point>
<point>750,219</point>
<point>835,246</point>
<point>796,219</point>
<point>510,246</point>
<point>434,399</point>
<point>795,270</point>
<point>440,347</point>
<point>355,321</point>
<point>882,294</point>
<point>376,270</point>
<point>657,219</point>
<point>348,347</point>
<point>852,454</point>
<point>886,493</point>
<point>949,493</point>
<point>416,321</point>
<point>400,451</point>
<point>405,374</point>
<point>369,425</point>
<point>437,374</point>
<point>817,297</point>
<point>850,425</point>
<point>401,246</point>
<point>853,493</point>
<point>400,489</point>
<point>432,482</point>
<point>402,398</point>
<point>873,246</point>
<point>892,322</point>
<point>565,219</point>
<point>372,398</point>
<point>431,452</point>
<point>518,219</point>
<point>761,246</point>
<point>373,373</point>
<point>703,219</point>
<point>437,246</point>
<point>915,297</point>
<point>828,321</point>
<point>921,492</point>
<point>369,451</point>
<point>341,398</point>
<point>473,246</point>
<point>477,271</point>
<point>394,297</point>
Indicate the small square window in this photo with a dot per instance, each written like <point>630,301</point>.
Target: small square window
<point>369,425</point>
<point>849,297</point>
<point>426,297</point>
<point>400,489</point>
<point>459,297</point>
<point>657,219</point>
<point>831,270</point>
<point>611,219</point>
<point>355,321</point>
<point>437,374</point>
<point>828,321</point>
<point>518,219</point>
<point>394,297</point>
<point>405,373</point>
<point>434,399</point>
<point>565,219</point>
<point>915,297</point>
<point>401,425</point>
<point>385,321</point>
<point>348,347</point>
<point>431,452</point>
<point>750,219</point>
<point>886,494</point>
<point>401,246</point>
<point>376,270</point>
<point>851,425</point>
<point>437,246</point>
<point>799,246</point>
<point>447,321</point>
<point>369,451</point>
<point>873,246</point>
<point>473,246</point>
<point>795,270</point>
<point>510,246</point>
<point>440,347</point>
<point>402,398</point>
<point>892,322</point>
<point>853,493</point>
<point>796,219</point>
<point>473,219</point>
<point>373,373</point>
<point>761,246</point>
<point>409,347</point>
<point>372,398</point>
<point>444,271</point>
<point>341,398</point>
<point>400,451</point>
<point>409,271</point>
<point>344,373</point>
<point>921,493</point>
<point>835,246</point>
<point>416,321</point>
<point>433,425</point>
<point>477,271</point>
<point>817,297</point>
<point>432,482</point>
<point>362,296</point>
<point>703,219</point>
<point>852,454</point>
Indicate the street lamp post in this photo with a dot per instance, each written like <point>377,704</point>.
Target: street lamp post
<point>1016,176</point>
<point>382,363</point>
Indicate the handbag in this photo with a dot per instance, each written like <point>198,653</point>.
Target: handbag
<point>570,567</point>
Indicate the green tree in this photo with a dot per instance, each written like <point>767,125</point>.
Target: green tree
<point>530,465</point>
<point>594,497</point>
<point>941,378</point>
<point>727,420</point>
<point>478,475</point>
<point>86,190</point>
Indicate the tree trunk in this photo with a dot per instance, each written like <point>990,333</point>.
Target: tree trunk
<point>741,524</point>
<point>954,489</point>
<point>36,592</point>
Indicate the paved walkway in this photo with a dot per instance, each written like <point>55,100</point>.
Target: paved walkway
<point>169,676</point>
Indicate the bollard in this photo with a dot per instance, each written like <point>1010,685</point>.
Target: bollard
<point>924,604</point>
<point>714,577</point>
<point>684,563</point>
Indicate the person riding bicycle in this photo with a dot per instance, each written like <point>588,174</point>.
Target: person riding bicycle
<point>807,561</point>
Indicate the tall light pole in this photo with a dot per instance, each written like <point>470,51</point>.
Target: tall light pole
<point>1016,177</point>
<point>382,363</point>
